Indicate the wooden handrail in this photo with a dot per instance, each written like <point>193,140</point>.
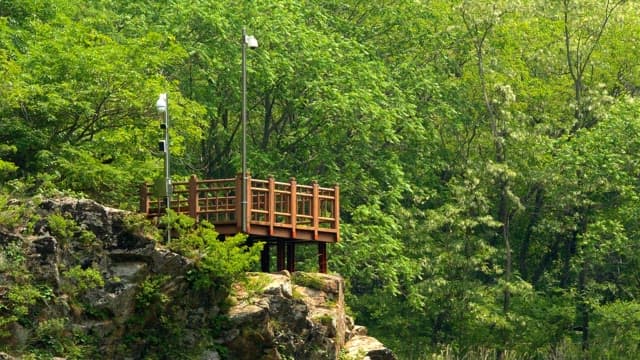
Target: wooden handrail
<point>305,212</point>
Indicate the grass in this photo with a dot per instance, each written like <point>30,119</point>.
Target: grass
<point>308,280</point>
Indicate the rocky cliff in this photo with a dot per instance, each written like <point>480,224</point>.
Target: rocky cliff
<point>80,280</point>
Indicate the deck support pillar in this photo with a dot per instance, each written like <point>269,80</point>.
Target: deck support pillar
<point>265,258</point>
<point>144,199</point>
<point>291,257</point>
<point>322,257</point>
<point>280,255</point>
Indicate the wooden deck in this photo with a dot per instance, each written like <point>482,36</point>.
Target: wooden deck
<point>284,210</point>
<point>279,213</point>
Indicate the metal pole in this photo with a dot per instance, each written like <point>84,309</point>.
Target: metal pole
<point>167,173</point>
<point>244,130</point>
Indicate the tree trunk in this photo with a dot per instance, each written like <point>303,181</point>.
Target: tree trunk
<point>533,221</point>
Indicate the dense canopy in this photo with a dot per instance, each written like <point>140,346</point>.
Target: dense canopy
<point>487,151</point>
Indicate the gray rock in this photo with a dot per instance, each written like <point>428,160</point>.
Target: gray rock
<point>132,271</point>
<point>280,285</point>
<point>281,320</point>
<point>359,330</point>
<point>366,347</point>
<point>310,325</point>
<point>20,334</point>
<point>8,235</point>
<point>210,355</point>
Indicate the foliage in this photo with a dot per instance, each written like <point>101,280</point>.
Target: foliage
<point>12,212</point>
<point>16,306</point>
<point>254,284</point>
<point>218,264</point>
<point>7,168</point>
<point>54,338</point>
<point>150,293</point>
<point>19,295</point>
<point>79,281</point>
<point>485,150</point>
<point>308,280</point>
<point>139,224</point>
<point>66,229</point>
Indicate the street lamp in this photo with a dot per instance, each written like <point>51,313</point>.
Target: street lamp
<point>163,107</point>
<point>251,42</point>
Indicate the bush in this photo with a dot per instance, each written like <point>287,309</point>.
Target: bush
<point>150,293</point>
<point>217,263</point>
<point>79,281</point>
<point>66,229</point>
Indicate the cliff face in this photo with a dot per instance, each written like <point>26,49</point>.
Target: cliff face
<point>298,316</point>
<point>84,281</point>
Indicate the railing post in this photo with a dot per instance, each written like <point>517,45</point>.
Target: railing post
<point>249,198</point>
<point>193,197</point>
<point>272,203</point>
<point>144,198</point>
<point>246,198</point>
<point>293,205</point>
<point>315,209</point>
<point>237,202</point>
<point>336,210</point>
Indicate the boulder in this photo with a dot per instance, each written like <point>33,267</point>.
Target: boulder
<point>365,347</point>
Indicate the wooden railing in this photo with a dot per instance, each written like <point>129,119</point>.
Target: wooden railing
<point>275,209</point>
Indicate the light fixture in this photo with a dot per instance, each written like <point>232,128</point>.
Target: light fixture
<point>251,41</point>
<point>161,104</point>
<point>163,107</point>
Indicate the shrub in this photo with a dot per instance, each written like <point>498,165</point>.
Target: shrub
<point>150,293</point>
<point>139,224</point>
<point>16,305</point>
<point>50,335</point>
<point>79,281</point>
<point>217,263</point>
<point>66,229</point>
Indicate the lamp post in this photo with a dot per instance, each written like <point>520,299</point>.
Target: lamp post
<point>163,107</point>
<point>251,42</point>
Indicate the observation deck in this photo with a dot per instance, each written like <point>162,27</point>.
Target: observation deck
<point>278,213</point>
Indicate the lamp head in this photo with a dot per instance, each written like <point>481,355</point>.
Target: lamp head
<point>251,41</point>
<point>161,104</point>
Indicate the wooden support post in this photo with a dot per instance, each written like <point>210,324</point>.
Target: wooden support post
<point>144,199</point>
<point>322,257</point>
<point>249,203</point>
<point>265,258</point>
<point>238,202</point>
<point>315,209</point>
<point>280,255</point>
<point>336,210</point>
<point>272,204</point>
<point>293,205</point>
<point>291,257</point>
<point>193,197</point>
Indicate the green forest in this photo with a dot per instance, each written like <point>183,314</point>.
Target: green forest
<point>487,151</point>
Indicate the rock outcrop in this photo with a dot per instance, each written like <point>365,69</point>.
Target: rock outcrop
<point>103,281</point>
<point>296,316</point>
